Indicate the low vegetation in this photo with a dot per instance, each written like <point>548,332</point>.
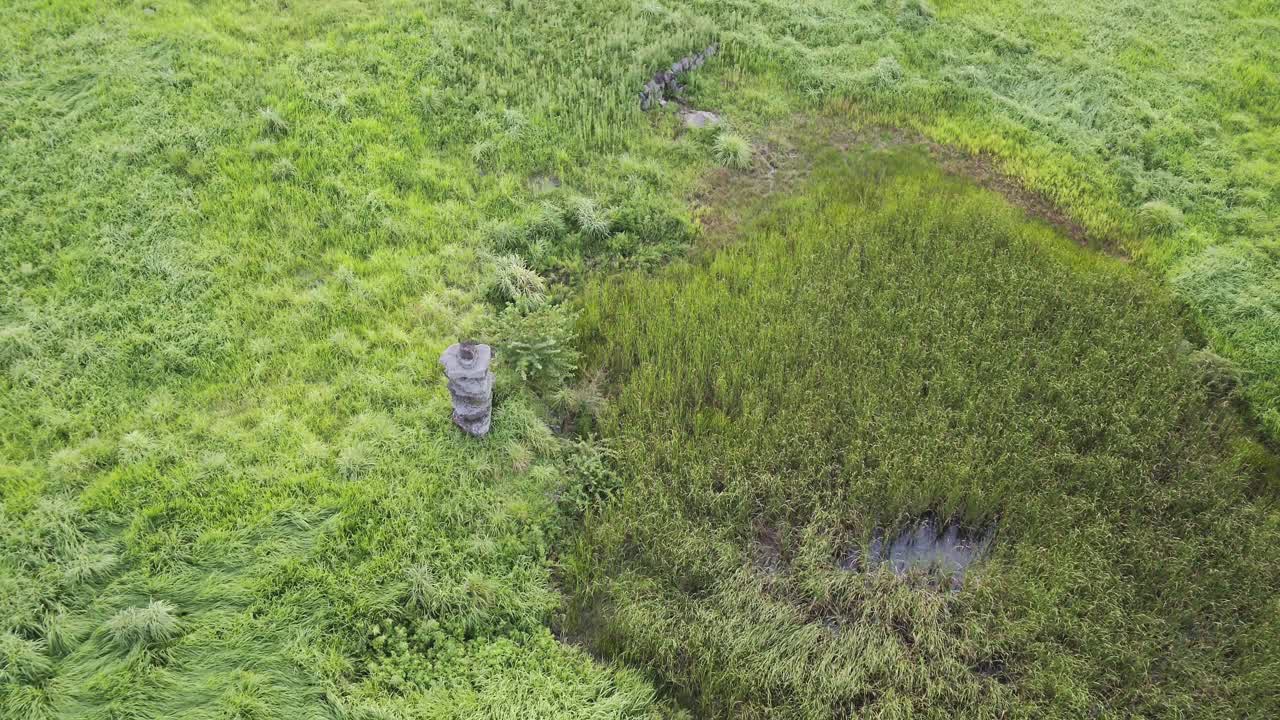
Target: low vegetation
<point>235,238</point>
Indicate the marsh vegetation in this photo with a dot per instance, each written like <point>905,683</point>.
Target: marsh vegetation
<point>889,344</point>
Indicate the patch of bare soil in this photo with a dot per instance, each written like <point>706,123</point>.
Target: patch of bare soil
<point>766,551</point>
<point>785,158</point>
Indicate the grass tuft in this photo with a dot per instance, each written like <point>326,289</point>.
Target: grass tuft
<point>514,281</point>
<point>356,461</point>
<point>1160,218</point>
<point>149,626</point>
<point>22,660</point>
<point>273,123</point>
<point>594,222</point>
<point>135,446</point>
<point>732,150</point>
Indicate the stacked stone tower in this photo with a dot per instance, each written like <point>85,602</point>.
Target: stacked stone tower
<point>466,364</point>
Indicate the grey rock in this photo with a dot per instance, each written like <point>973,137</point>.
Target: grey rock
<point>666,83</point>
<point>466,364</point>
<point>699,118</point>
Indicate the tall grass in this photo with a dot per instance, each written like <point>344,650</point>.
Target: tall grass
<point>892,343</point>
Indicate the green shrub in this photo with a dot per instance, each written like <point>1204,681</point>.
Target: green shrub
<point>536,342</point>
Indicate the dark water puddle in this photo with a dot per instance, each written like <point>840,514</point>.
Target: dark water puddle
<point>928,546</point>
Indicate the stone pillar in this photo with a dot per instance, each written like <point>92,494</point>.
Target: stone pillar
<point>466,364</point>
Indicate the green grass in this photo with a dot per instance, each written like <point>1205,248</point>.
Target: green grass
<point>888,343</point>
<point>234,238</point>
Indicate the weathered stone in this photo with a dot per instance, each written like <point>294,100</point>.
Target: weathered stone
<point>466,364</point>
<point>699,118</point>
<point>667,83</point>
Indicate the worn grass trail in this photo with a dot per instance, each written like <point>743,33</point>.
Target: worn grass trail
<point>888,343</point>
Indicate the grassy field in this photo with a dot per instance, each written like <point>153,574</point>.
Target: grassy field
<point>891,343</point>
<point>235,236</point>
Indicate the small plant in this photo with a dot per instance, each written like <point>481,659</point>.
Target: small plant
<point>521,457</point>
<point>915,14</point>
<point>585,399</point>
<point>591,465</point>
<point>887,73</point>
<point>135,447</point>
<point>536,341</point>
<point>514,123</point>
<point>62,633</point>
<point>732,150</point>
<point>1160,218</point>
<point>282,169</point>
<point>1219,375</point>
<point>423,589</point>
<point>89,565</point>
<point>69,463</point>
<point>547,226</point>
<point>314,453</point>
<point>149,626</point>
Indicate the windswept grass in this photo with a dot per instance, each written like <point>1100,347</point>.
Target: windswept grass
<point>235,237</point>
<point>890,343</point>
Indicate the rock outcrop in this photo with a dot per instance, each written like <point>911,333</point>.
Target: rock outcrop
<point>666,84</point>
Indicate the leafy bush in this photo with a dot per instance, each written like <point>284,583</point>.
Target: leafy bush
<point>535,341</point>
